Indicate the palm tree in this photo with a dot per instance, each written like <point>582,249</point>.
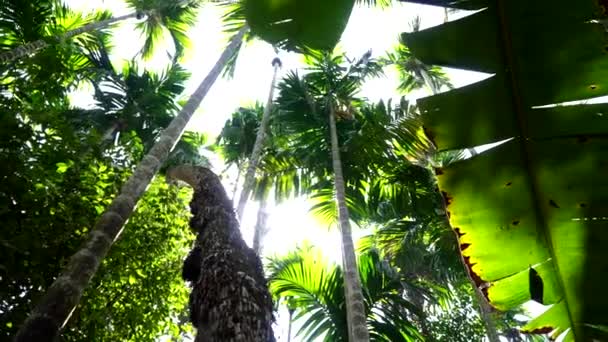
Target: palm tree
<point>237,138</point>
<point>414,232</point>
<point>229,299</point>
<point>176,17</point>
<point>236,142</point>
<point>308,110</point>
<point>63,295</point>
<point>256,153</point>
<point>313,288</point>
<point>413,73</point>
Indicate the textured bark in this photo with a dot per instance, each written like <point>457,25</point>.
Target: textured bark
<point>259,143</point>
<point>55,308</point>
<point>35,46</point>
<point>355,307</point>
<point>229,301</point>
<point>261,228</point>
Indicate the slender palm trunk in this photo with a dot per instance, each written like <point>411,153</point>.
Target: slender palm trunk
<point>229,301</point>
<point>261,228</point>
<point>486,317</point>
<point>35,46</point>
<point>259,143</point>
<point>290,324</point>
<point>355,307</point>
<point>55,308</point>
<point>236,182</point>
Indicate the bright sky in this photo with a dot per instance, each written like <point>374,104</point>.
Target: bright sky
<point>369,28</point>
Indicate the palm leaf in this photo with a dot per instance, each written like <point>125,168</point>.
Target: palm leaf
<point>531,212</point>
<point>315,289</point>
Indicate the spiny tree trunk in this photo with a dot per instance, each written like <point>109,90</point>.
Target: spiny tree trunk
<point>55,308</point>
<point>29,49</point>
<point>229,301</point>
<point>261,228</point>
<point>355,307</point>
<point>259,144</point>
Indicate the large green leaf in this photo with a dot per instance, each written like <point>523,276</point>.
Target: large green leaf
<point>295,24</point>
<point>531,214</point>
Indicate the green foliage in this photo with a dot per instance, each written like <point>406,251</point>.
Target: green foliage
<point>538,196</point>
<point>414,74</point>
<point>314,288</point>
<point>165,17</point>
<point>61,168</point>
<point>303,104</point>
<point>138,294</point>
<point>296,25</point>
<point>459,321</point>
<point>238,135</point>
<point>52,191</point>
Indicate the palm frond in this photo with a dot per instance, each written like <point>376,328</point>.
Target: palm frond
<point>314,288</point>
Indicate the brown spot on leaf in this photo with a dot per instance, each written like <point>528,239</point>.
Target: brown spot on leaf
<point>438,171</point>
<point>509,184</point>
<point>447,198</point>
<point>583,205</point>
<point>593,87</point>
<point>515,222</point>
<point>553,204</point>
<point>539,331</point>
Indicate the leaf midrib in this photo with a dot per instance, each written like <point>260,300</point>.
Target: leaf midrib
<point>529,167</point>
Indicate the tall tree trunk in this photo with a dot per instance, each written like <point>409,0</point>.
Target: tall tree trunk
<point>355,307</point>
<point>486,317</point>
<point>261,228</point>
<point>259,143</point>
<point>55,308</point>
<point>229,301</point>
<point>28,49</point>
<point>290,324</point>
<point>236,182</point>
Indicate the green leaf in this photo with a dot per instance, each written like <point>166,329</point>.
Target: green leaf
<point>296,24</point>
<point>132,280</point>
<point>62,167</point>
<point>532,213</point>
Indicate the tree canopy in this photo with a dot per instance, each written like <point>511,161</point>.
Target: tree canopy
<point>456,213</point>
